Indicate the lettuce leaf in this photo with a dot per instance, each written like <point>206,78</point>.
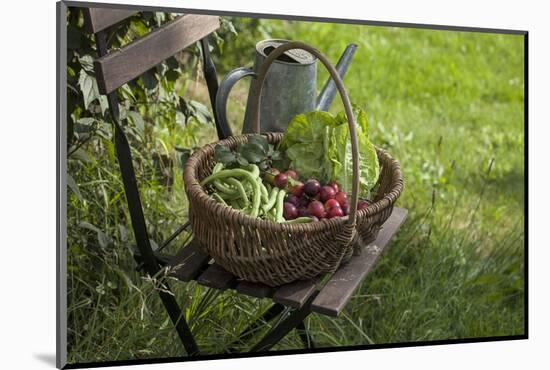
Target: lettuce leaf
<point>318,146</point>
<point>305,141</point>
<point>307,128</point>
<point>369,167</point>
<point>307,159</point>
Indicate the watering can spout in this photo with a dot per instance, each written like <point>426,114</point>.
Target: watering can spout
<point>328,92</point>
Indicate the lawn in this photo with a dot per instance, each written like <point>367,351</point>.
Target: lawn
<point>448,105</point>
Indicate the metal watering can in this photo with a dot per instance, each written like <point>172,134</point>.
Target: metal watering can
<point>290,87</point>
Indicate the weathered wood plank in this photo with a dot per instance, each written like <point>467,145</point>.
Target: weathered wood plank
<point>296,294</point>
<point>98,19</point>
<point>257,290</point>
<point>339,289</point>
<point>217,277</point>
<point>121,66</point>
<point>188,263</point>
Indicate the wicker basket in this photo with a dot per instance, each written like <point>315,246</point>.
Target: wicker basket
<point>273,253</point>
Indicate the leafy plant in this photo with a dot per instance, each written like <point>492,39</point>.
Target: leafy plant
<point>319,146</point>
<point>256,151</point>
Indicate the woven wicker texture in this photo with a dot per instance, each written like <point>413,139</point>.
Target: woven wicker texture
<point>273,253</point>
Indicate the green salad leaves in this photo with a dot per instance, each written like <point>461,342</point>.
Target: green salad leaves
<point>318,146</point>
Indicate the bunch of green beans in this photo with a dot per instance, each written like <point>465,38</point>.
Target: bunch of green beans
<point>243,189</point>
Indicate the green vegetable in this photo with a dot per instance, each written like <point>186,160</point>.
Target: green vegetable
<point>253,169</point>
<point>279,205</point>
<point>235,172</point>
<point>224,188</point>
<point>256,201</point>
<point>218,167</point>
<point>263,191</point>
<point>271,200</point>
<point>218,198</point>
<point>339,154</point>
<point>304,141</point>
<point>319,146</point>
<point>240,189</point>
<point>257,151</point>
<point>299,220</point>
<point>237,186</point>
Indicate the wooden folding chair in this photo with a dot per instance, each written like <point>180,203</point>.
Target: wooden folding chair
<point>293,302</point>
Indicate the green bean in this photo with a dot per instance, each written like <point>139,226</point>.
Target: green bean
<point>218,167</point>
<point>279,205</point>
<point>299,220</point>
<point>226,196</point>
<point>265,196</point>
<point>256,197</point>
<point>235,172</point>
<point>218,198</point>
<point>248,187</point>
<point>271,214</point>
<point>224,188</point>
<point>249,176</point>
<point>242,205</point>
<point>240,189</point>
<point>271,200</point>
<point>255,170</point>
<point>235,203</point>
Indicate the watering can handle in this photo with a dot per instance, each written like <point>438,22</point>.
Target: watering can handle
<point>225,88</point>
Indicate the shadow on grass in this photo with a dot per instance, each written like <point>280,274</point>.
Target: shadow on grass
<point>513,184</point>
<point>509,185</point>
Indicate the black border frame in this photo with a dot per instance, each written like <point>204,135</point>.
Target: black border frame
<point>61,188</point>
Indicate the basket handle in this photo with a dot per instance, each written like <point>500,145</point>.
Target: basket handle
<point>256,93</point>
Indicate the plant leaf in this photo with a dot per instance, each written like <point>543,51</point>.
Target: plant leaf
<point>123,232</point>
<point>149,79</point>
<point>82,155</point>
<point>242,161</point>
<point>103,239</point>
<point>223,154</point>
<point>252,151</point>
<point>87,63</point>
<point>137,120</point>
<point>86,83</point>
<point>74,187</point>
<point>261,141</point>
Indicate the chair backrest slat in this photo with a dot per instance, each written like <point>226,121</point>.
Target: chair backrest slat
<point>123,65</point>
<point>98,19</point>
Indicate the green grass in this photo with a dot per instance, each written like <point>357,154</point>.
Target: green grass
<point>449,106</point>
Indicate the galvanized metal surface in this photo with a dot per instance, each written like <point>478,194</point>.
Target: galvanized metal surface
<point>290,87</point>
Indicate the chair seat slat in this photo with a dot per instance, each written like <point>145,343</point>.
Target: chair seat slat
<point>256,290</point>
<point>339,289</point>
<point>217,277</point>
<point>188,263</point>
<point>295,294</point>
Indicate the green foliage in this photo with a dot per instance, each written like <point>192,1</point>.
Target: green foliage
<point>256,151</point>
<point>239,36</point>
<point>163,127</point>
<point>319,146</point>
